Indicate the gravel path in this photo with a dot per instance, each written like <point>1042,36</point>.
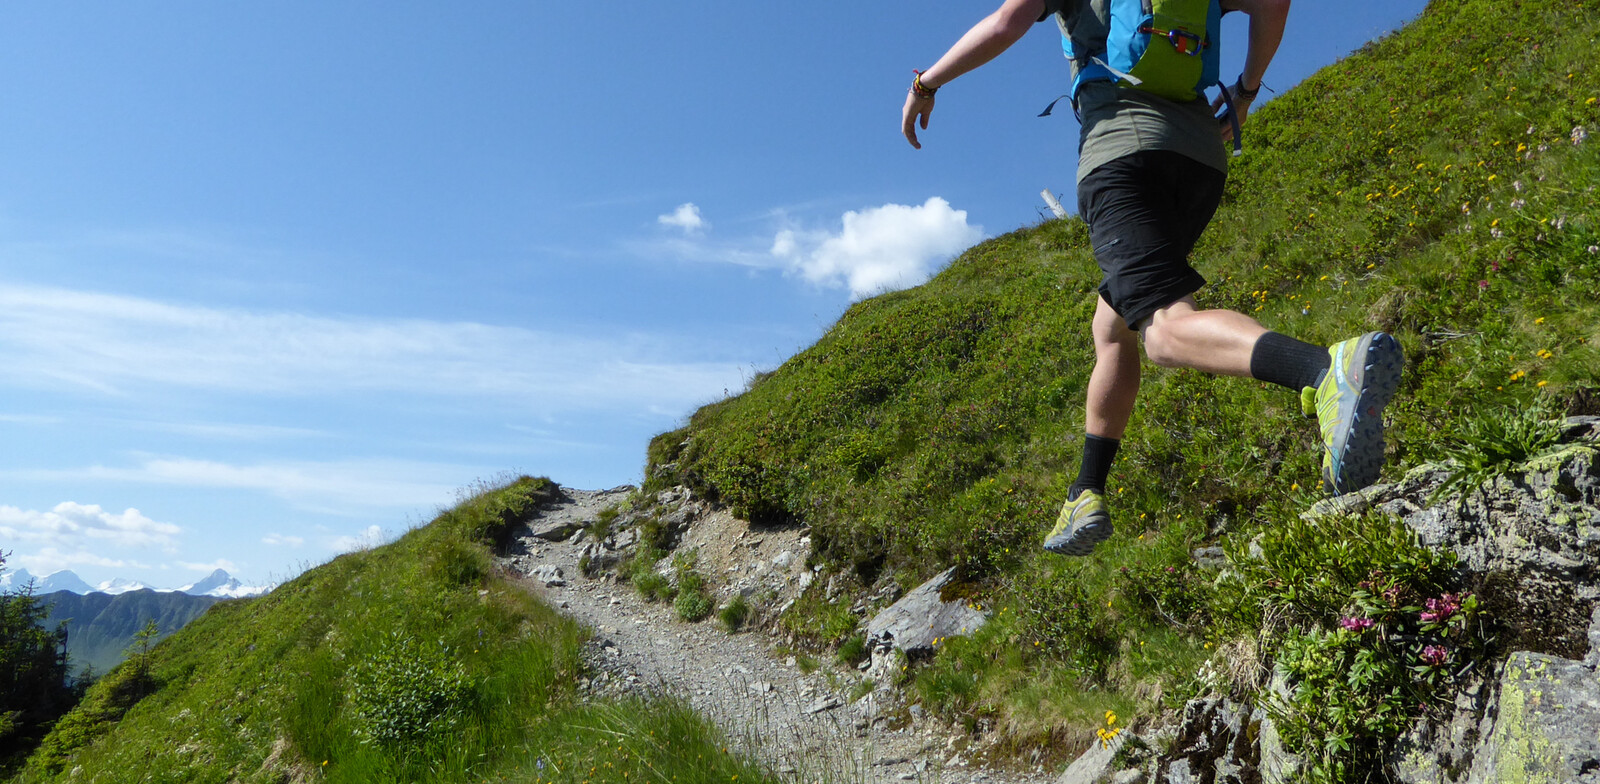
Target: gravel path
<point>804,726</point>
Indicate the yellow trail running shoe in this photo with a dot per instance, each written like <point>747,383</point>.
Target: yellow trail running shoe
<point>1349,404</point>
<point>1083,523</point>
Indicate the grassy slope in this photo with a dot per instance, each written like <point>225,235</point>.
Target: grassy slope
<point>1428,185</point>
<point>305,683</point>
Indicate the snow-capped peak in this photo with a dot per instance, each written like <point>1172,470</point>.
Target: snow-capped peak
<point>119,586</point>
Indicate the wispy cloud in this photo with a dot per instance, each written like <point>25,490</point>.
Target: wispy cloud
<point>119,345</point>
<point>281,540</point>
<point>52,559</point>
<point>332,487</point>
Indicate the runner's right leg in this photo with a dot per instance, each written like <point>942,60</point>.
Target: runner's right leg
<point>1113,386</point>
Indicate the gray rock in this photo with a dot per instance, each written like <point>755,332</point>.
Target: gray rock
<point>622,540</point>
<point>1592,660</point>
<point>823,703</point>
<point>1095,765</point>
<point>1210,557</point>
<point>549,574</point>
<point>1581,428</point>
<point>1180,773</point>
<point>1441,752</point>
<point>1276,764</point>
<point>556,530</point>
<point>1129,776</point>
<point>1547,724</point>
<point>1213,744</point>
<point>922,616</point>
<point>1529,540</point>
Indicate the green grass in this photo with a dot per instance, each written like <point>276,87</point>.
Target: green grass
<point>410,662</point>
<point>1430,185</point>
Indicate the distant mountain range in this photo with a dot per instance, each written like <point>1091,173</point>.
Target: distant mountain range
<point>219,584</point>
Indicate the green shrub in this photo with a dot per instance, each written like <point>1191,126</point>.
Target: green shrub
<point>693,603</point>
<point>601,526</point>
<point>734,613</point>
<point>641,572</point>
<point>654,586</point>
<point>1370,633</point>
<point>854,650</point>
<point>408,692</point>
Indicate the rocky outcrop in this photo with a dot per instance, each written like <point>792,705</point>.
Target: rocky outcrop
<point>1546,724</point>
<point>1528,543</point>
<point>921,618</point>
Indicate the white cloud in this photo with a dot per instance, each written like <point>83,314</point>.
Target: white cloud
<point>221,563</point>
<point>333,487</point>
<point>71,525</point>
<point>75,535</point>
<point>281,540</point>
<point>686,217</point>
<point>366,540</point>
<point>52,559</point>
<point>880,248</point>
<point>125,346</point>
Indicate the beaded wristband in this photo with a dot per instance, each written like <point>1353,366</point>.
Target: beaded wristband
<point>1248,95</point>
<point>919,89</point>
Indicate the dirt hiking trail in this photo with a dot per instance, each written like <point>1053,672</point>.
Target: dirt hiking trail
<point>822,726</point>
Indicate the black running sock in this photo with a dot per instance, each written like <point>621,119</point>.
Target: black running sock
<point>1098,454</point>
<point>1282,360</point>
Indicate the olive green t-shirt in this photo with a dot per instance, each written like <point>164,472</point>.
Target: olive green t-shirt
<point>1119,121</point>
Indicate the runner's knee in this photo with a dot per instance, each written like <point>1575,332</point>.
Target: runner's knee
<point>1160,346</point>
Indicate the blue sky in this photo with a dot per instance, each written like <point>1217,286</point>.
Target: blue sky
<point>280,279</point>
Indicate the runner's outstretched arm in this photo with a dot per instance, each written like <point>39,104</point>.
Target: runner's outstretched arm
<point>987,39</point>
<point>1267,20</point>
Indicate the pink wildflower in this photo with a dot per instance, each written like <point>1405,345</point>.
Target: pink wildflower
<point>1440,609</point>
<point>1356,624</point>
<point>1435,655</point>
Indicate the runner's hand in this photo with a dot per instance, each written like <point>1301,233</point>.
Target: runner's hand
<point>915,108</point>
<point>1241,104</point>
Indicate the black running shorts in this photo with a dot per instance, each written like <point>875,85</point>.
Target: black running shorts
<point>1145,212</point>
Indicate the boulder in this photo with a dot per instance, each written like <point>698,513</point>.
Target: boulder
<point>548,574</point>
<point>1095,766</point>
<point>556,529</point>
<point>1213,744</point>
<point>923,616</point>
<point>1547,724</point>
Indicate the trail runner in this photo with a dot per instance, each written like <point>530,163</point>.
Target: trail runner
<point>1150,175</point>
